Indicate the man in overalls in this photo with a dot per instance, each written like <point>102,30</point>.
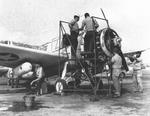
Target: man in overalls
<point>39,75</point>
<point>137,73</point>
<point>116,62</point>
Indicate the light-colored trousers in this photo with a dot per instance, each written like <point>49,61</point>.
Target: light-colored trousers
<point>116,81</point>
<point>137,81</point>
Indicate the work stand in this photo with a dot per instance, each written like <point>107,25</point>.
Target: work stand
<point>86,68</point>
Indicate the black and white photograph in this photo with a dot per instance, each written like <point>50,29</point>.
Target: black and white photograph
<point>74,58</point>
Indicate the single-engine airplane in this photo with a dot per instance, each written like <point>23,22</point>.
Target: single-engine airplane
<point>20,58</point>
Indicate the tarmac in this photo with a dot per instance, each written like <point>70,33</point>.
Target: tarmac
<point>78,103</point>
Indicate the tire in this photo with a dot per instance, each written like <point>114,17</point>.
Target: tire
<point>60,85</point>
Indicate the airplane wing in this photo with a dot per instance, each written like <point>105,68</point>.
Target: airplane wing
<point>12,56</point>
<point>131,53</point>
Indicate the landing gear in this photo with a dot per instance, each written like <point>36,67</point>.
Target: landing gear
<point>72,81</point>
<point>60,85</point>
<point>15,83</point>
<point>9,82</point>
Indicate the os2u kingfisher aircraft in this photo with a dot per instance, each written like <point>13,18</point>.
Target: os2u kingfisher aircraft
<point>21,57</point>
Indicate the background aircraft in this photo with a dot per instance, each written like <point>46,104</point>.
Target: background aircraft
<point>3,70</point>
<point>21,59</point>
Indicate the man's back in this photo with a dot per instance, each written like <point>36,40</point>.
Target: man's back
<point>89,24</point>
<point>117,61</point>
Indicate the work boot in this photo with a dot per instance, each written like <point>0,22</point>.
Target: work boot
<point>116,95</point>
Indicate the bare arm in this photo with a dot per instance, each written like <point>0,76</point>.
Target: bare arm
<point>71,24</point>
<point>39,75</point>
<point>96,24</point>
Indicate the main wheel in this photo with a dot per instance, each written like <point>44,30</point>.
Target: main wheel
<point>60,85</point>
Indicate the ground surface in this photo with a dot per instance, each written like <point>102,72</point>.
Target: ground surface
<point>78,103</point>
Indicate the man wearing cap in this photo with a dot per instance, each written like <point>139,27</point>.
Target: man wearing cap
<point>74,31</point>
<point>90,25</point>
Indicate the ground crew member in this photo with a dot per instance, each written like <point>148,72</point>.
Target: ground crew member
<point>74,31</point>
<point>39,75</point>
<point>116,62</point>
<point>137,73</point>
<point>117,44</point>
<point>90,25</point>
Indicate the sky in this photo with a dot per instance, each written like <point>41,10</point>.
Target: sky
<point>37,21</point>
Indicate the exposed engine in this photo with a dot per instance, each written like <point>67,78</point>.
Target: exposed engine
<point>22,71</point>
<point>105,41</point>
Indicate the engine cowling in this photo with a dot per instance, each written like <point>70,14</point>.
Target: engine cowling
<point>22,69</point>
<point>104,45</point>
<point>108,41</point>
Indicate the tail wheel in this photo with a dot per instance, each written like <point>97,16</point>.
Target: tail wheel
<point>60,85</point>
